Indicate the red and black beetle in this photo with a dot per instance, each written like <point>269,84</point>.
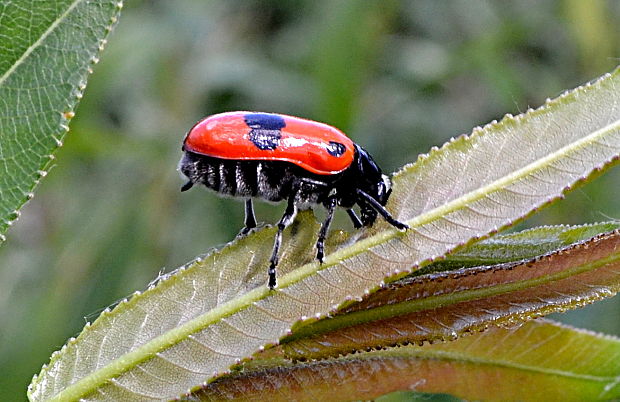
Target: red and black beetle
<point>277,157</point>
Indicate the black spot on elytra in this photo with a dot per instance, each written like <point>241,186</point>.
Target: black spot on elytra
<point>264,121</point>
<point>265,130</point>
<point>335,148</point>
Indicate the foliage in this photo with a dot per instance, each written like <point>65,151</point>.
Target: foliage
<point>222,312</point>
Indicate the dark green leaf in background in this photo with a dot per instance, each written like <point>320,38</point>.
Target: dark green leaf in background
<point>47,49</point>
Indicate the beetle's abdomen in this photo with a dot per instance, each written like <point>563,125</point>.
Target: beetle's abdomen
<point>269,180</point>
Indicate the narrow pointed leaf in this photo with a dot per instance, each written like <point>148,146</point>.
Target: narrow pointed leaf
<point>539,360</point>
<point>48,48</point>
<point>443,306</point>
<point>217,311</point>
<point>522,245</point>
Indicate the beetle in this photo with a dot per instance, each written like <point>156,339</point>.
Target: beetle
<point>278,157</point>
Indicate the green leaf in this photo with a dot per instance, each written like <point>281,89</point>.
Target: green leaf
<point>48,48</point>
<point>195,324</point>
<point>522,245</point>
<point>538,360</point>
<point>411,396</point>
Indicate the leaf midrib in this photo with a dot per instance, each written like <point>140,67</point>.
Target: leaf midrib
<point>176,335</point>
<point>39,41</point>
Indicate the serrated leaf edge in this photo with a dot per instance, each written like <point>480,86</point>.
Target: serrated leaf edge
<point>67,114</point>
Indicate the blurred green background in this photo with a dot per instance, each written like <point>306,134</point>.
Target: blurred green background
<point>398,77</point>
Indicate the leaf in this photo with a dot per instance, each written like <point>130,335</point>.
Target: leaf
<point>522,245</point>
<point>217,311</point>
<point>525,363</point>
<point>445,305</point>
<point>48,48</point>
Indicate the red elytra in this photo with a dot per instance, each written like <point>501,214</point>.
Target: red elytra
<point>316,147</point>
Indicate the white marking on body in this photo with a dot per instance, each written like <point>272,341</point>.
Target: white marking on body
<point>222,178</point>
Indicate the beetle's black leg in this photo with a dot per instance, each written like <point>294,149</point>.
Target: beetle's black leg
<point>357,224</point>
<point>187,186</point>
<point>330,205</point>
<point>287,219</point>
<point>250,218</point>
<point>379,208</point>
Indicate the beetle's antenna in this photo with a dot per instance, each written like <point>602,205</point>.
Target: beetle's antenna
<point>379,208</point>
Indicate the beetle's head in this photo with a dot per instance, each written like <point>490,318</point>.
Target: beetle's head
<point>373,182</point>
